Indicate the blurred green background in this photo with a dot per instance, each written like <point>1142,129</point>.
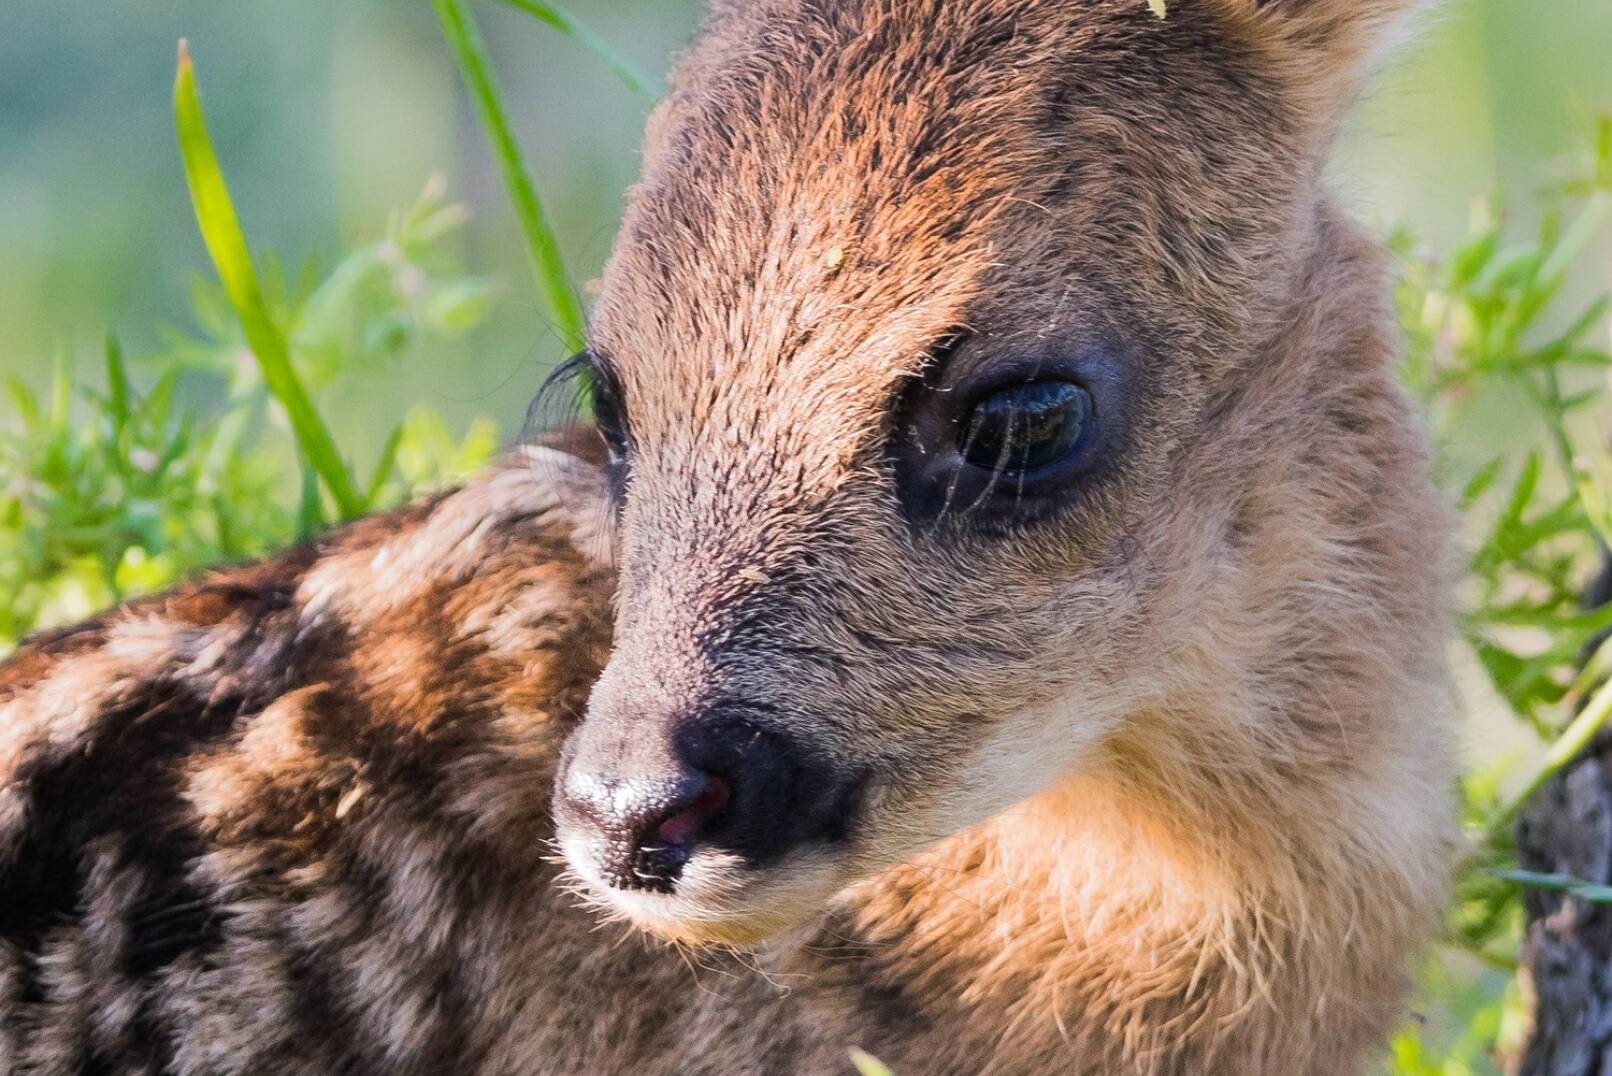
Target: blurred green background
<point>328,115</point>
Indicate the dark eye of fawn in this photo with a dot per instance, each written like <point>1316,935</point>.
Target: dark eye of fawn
<point>608,418</point>
<point>1026,427</point>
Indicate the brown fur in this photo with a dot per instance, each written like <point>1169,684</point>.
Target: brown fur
<point>1158,784</point>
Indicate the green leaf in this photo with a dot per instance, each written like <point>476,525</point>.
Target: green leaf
<point>1523,683</point>
<point>1592,892</point>
<point>226,244</point>
<point>1579,399</point>
<point>548,266</point>
<point>458,305</point>
<point>25,401</point>
<point>1473,257</point>
<point>1578,234</point>
<point>61,395</point>
<point>1502,542</point>
<point>383,467</point>
<point>117,386</point>
<point>1592,316</point>
<point>1566,747</point>
<point>1595,669</point>
<point>643,85</point>
<point>868,1065</point>
<point>1579,623</point>
<point>310,511</point>
<point>1479,483</point>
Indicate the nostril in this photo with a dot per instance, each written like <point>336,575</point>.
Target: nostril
<point>646,827</point>
<point>682,829</point>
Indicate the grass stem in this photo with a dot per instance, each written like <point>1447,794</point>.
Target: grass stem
<point>1567,747</point>
<point>226,244</point>
<point>640,83</point>
<point>548,266</point>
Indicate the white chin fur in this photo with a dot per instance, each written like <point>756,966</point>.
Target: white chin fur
<point>717,900</point>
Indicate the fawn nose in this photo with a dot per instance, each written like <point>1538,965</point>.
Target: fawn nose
<point>637,799</point>
<point>644,826</point>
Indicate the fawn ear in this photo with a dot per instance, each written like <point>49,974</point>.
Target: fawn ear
<point>1325,50</point>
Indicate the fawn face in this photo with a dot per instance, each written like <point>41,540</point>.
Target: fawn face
<point>917,319</point>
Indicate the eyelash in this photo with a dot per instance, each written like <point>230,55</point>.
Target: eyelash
<point>569,398</point>
<point>608,413</point>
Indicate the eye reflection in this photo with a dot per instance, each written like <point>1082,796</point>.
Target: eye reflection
<point>1026,427</point>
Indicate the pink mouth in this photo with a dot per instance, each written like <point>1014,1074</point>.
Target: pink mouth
<point>682,829</point>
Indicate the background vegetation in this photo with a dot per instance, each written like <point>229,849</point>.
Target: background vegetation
<point>248,400</point>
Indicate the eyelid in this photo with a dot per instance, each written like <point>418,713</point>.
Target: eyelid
<point>605,388</point>
<point>931,374</point>
<point>1016,373</point>
<point>601,372</point>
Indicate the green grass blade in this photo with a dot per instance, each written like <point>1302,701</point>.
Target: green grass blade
<point>868,1065</point>
<point>1592,892</point>
<point>221,231</point>
<point>61,394</point>
<point>1567,747</point>
<point>384,466</point>
<point>117,385</point>
<point>646,86</point>
<point>310,510</point>
<point>548,266</point>
<point>1577,235</point>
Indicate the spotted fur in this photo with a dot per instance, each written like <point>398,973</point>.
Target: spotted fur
<point>1159,785</point>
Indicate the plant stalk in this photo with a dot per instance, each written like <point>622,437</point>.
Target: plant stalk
<point>548,266</point>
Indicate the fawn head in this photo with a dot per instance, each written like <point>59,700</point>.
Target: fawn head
<point>913,360</point>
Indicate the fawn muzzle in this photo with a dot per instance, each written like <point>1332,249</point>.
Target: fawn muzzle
<point>640,802</point>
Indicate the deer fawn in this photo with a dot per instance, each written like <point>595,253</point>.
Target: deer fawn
<point>997,621</point>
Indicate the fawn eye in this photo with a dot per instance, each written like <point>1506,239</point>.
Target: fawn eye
<point>1026,427</point>
<point>608,416</point>
<point>1008,440</point>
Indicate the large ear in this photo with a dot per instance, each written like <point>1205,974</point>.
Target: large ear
<point>1325,49</point>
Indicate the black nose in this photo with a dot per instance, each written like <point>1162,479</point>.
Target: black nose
<point>639,798</point>
<point>645,825</point>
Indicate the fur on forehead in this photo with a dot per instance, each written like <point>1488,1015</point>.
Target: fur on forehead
<point>826,183</point>
<point>832,178</point>
<point>832,182</point>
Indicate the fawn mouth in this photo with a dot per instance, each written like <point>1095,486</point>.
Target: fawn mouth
<point>636,806</point>
<point>719,898</point>
<point>725,832</point>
